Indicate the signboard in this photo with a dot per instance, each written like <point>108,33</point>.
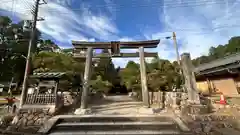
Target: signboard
<point>115,48</point>
<point>47,84</point>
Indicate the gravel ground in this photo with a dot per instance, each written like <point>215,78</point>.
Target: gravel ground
<point>210,124</point>
<point>200,125</point>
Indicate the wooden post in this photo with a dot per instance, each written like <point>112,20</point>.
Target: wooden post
<point>87,74</point>
<point>145,94</point>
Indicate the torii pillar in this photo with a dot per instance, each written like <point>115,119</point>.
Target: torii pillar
<point>145,93</point>
<point>87,76</point>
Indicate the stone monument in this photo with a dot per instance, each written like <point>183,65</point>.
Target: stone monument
<point>193,105</point>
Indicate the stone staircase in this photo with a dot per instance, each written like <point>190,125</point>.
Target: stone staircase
<point>119,125</point>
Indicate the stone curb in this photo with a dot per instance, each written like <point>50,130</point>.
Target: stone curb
<point>181,124</point>
<point>5,132</point>
<point>48,125</point>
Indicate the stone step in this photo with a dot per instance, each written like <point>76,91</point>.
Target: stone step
<point>117,119</point>
<point>111,126</point>
<point>120,132</point>
<point>115,124</point>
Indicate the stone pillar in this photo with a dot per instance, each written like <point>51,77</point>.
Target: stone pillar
<point>209,87</point>
<point>86,79</point>
<point>174,100</point>
<point>56,94</point>
<point>190,80</point>
<point>145,94</point>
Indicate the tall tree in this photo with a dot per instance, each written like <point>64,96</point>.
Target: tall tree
<point>220,51</point>
<point>59,62</point>
<point>105,68</point>
<point>130,76</point>
<point>47,45</point>
<point>14,46</point>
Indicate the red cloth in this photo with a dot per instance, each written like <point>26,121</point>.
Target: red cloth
<point>10,100</point>
<point>222,100</point>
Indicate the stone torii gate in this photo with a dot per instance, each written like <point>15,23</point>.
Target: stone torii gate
<point>84,50</point>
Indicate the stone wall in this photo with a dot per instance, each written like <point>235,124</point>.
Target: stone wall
<point>170,99</point>
<point>68,98</point>
<point>28,118</point>
<point>179,103</point>
<point>212,124</point>
<point>5,120</point>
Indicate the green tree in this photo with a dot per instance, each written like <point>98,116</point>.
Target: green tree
<point>60,62</point>
<point>161,75</point>
<point>47,45</point>
<point>220,51</point>
<point>69,50</point>
<point>105,68</point>
<point>164,76</point>
<point>56,62</point>
<point>130,76</point>
<point>14,46</point>
<point>100,85</point>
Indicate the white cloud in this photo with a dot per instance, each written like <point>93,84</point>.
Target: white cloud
<point>65,25</point>
<point>197,26</point>
<point>100,25</point>
<point>111,6</point>
<point>64,2</point>
<point>164,48</point>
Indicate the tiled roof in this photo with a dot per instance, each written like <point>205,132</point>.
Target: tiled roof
<point>235,58</point>
<point>48,75</point>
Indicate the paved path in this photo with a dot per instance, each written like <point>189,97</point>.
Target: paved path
<point>119,105</point>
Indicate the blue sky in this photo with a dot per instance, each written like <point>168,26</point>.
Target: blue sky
<point>199,24</point>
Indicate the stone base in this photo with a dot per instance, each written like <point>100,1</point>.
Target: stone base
<point>195,109</point>
<point>145,110</point>
<point>177,111</point>
<point>81,111</point>
<point>31,117</point>
<point>6,120</point>
<point>175,107</point>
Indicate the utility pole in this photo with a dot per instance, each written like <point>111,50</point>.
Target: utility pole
<point>177,53</point>
<point>176,48</point>
<point>28,58</point>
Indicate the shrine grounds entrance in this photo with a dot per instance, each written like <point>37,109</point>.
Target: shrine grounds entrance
<point>84,50</point>
<point>118,89</point>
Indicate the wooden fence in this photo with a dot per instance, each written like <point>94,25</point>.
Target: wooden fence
<point>41,99</point>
